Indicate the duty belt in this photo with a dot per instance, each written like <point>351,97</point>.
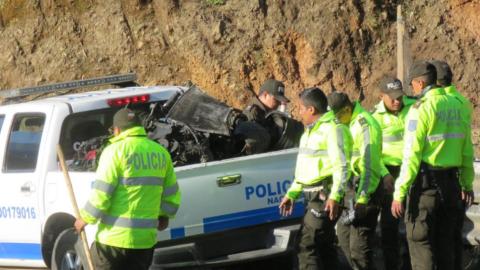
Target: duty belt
<point>435,168</point>
<point>319,186</point>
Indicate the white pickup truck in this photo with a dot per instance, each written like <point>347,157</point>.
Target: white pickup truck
<point>229,211</point>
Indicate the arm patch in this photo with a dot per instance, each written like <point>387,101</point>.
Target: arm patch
<point>362,121</point>
<point>417,104</point>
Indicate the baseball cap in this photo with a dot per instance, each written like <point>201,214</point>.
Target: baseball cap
<point>420,68</point>
<point>126,118</point>
<point>443,70</point>
<point>337,101</point>
<point>392,87</point>
<point>274,88</point>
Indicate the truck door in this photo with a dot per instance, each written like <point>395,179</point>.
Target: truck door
<point>233,193</point>
<point>21,159</point>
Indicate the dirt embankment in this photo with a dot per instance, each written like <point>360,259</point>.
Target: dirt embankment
<point>229,48</point>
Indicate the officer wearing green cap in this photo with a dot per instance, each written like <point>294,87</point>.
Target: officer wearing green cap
<point>356,240</point>
<point>444,79</point>
<point>271,94</point>
<point>437,169</point>
<point>321,174</point>
<point>134,194</point>
<point>390,113</point>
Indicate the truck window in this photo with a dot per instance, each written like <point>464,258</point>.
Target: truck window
<point>80,127</point>
<point>24,142</point>
<point>2,117</point>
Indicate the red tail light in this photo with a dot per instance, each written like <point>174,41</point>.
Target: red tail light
<point>126,100</point>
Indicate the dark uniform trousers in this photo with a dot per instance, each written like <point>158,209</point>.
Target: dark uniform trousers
<point>356,240</point>
<point>315,247</point>
<point>393,256</point>
<point>433,208</point>
<point>458,237</point>
<point>107,257</point>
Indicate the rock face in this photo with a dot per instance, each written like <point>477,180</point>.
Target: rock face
<point>230,48</point>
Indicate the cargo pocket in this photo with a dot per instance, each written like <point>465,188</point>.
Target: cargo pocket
<point>417,221</point>
<point>315,215</point>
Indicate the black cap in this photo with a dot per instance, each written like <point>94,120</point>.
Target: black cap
<point>337,101</point>
<point>443,70</point>
<point>274,88</point>
<point>126,118</point>
<point>392,87</point>
<point>420,68</point>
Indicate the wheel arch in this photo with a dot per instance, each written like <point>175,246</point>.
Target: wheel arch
<point>55,224</point>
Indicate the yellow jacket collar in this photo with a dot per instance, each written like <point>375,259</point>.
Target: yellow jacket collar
<point>134,131</point>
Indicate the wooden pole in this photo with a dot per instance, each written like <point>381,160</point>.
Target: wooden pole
<point>400,28</point>
<point>74,203</point>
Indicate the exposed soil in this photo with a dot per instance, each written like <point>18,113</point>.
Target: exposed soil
<point>229,49</point>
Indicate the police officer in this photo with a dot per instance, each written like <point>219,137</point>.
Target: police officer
<point>444,79</point>
<point>437,168</point>
<point>390,113</point>
<point>321,173</point>
<point>136,192</point>
<point>356,240</point>
<point>272,93</point>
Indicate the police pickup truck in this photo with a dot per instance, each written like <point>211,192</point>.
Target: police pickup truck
<point>229,211</point>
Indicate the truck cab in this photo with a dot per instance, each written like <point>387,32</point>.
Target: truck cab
<point>229,211</point>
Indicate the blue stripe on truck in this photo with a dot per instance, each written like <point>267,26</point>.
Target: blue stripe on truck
<point>23,251</point>
<point>248,218</point>
<point>178,232</point>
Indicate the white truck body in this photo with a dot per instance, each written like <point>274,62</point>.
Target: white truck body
<point>35,205</point>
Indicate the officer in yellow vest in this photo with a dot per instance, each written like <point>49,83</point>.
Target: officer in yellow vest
<point>390,113</point>
<point>134,194</point>
<point>321,173</point>
<point>437,169</point>
<point>356,240</point>
<point>444,79</point>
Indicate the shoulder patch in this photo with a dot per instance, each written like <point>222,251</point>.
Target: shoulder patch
<point>412,125</point>
<point>338,122</point>
<point>417,104</point>
<point>248,108</point>
<point>372,111</point>
<point>362,121</point>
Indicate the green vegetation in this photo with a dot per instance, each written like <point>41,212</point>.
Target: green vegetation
<point>259,58</point>
<point>216,2</point>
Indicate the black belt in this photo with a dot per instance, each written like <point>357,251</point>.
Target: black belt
<point>321,183</point>
<point>435,168</point>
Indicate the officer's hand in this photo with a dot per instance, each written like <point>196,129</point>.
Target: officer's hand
<point>162,223</point>
<point>397,209</point>
<point>332,206</point>
<point>286,207</point>
<point>388,183</point>
<point>468,197</point>
<point>80,224</point>
<point>360,210</point>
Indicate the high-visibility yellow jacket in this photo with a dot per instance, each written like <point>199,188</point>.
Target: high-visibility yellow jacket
<point>393,126</point>
<point>367,151</point>
<point>324,151</point>
<point>437,132</point>
<point>451,91</point>
<point>135,183</point>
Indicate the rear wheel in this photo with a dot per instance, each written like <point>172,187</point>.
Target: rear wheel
<point>68,252</point>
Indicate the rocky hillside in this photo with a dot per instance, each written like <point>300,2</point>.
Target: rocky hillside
<point>229,48</point>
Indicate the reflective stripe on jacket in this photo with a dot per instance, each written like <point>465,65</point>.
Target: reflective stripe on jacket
<point>324,151</point>
<point>436,132</point>
<point>135,183</point>
<point>367,151</point>
<point>393,126</point>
